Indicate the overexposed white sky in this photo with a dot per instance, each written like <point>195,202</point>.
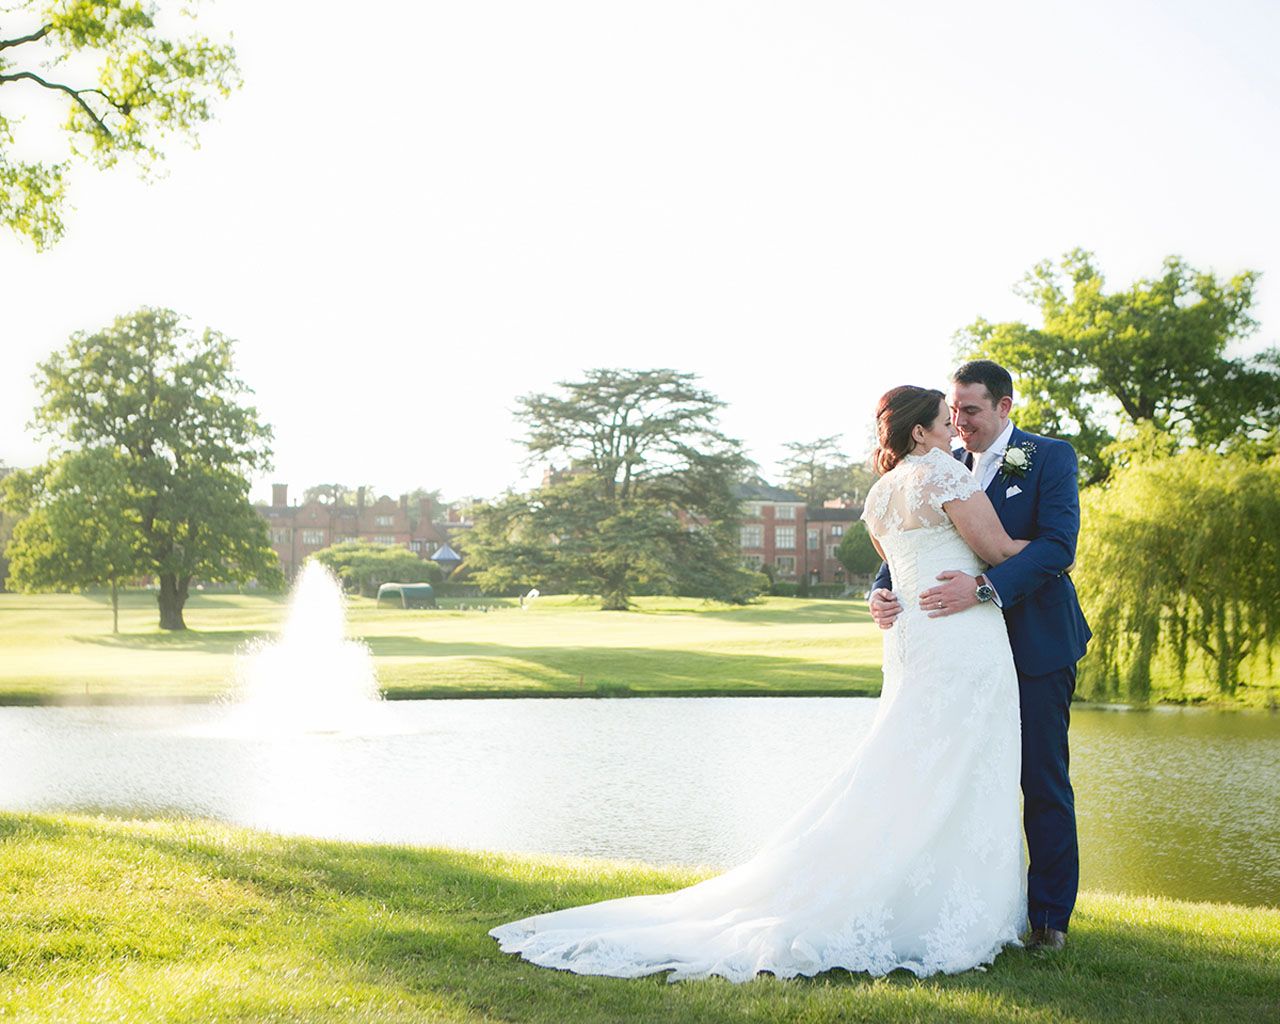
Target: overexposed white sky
<point>417,211</point>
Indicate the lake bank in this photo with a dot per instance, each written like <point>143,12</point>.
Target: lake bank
<point>60,649</point>
<point>191,921</point>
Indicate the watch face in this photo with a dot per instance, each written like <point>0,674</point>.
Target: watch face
<point>985,592</point>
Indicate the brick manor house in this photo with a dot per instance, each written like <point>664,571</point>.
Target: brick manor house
<point>297,531</point>
<point>798,540</point>
<point>777,529</point>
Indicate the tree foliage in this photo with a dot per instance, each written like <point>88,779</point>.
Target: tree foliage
<point>128,82</point>
<point>365,566</point>
<point>158,407</point>
<point>78,531</point>
<point>820,471</point>
<point>856,552</point>
<point>1155,352</point>
<point>647,503</point>
<point>1179,555</point>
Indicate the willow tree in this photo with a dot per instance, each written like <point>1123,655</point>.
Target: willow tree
<point>1178,558</point>
<point>645,503</point>
<point>128,83</point>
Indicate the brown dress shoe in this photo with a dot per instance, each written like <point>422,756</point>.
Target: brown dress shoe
<point>1046,940</point>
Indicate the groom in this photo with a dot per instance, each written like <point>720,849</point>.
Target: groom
<point>1031,481</point>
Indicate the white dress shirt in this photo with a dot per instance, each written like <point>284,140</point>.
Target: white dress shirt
<point>986,463</point>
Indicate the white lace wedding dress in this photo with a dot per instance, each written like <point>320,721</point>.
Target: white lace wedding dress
<point>910,857</point>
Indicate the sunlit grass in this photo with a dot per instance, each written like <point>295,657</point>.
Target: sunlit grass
<point>190,921</point>
<point>60,647</point>
<point>57,646</point>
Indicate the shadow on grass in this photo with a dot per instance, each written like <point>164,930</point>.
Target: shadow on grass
<point>417,919</point>
<point>213,641</point>
<point>637,669</point>
<point>796,611</point>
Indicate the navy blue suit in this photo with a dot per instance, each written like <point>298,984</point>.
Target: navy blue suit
<point>1048,634</point>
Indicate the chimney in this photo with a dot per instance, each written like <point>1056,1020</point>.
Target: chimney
<point>360,499</point>
<point>424,509</point>
<point>404,503</point>
<point>279,495</point>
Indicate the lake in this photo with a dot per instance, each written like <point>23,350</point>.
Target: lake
<point>1183,803</point>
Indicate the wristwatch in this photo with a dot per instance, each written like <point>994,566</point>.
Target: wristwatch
<point>986,592</point>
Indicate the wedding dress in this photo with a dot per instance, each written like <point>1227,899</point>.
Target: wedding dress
<point>910,857</point>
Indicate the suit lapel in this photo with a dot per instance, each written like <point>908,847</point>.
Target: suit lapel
<point>1000,483</point>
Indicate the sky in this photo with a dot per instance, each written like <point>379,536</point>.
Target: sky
<point>414,213</point>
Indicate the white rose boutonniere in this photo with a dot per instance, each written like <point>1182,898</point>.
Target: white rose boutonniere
<point>1017,461</point>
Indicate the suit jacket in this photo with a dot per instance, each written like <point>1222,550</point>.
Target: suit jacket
<point>1047,629</point>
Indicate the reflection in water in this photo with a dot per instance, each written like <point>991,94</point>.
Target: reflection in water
<point>1176,803</point>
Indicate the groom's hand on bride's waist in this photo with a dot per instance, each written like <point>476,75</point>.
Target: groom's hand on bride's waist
<point>958,592</point>
<point>885,607</point>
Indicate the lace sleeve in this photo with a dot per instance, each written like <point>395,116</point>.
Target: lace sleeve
<point>911,495</point>
<point>945,479</point>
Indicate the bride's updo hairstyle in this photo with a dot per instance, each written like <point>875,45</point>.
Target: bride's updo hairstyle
<point>899,411</point>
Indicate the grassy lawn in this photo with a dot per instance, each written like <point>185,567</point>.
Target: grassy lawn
<point>61,647</point>
<point>108,920</point>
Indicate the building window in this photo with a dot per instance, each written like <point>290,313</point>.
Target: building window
<point>753,561</point>
<point>784,537</point>
<point>815,539</point>
<point>785,512</point>
<point>751,510</point>
<point>313,537</point>
<point>752,536</point>
<point>381,520</point>
<point>345,538</point>
<point>383,538</point>
<point>416,545</point>
<point>279,536</point>
<point>785,565</point>
<point>837,530</point>
<point>832,549</point>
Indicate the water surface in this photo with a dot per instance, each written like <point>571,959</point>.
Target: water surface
<point>1178,803</point>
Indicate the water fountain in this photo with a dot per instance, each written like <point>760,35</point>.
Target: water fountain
<point>311,679</point>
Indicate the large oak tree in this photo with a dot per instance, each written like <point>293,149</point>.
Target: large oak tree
<point>1158,352</point>
<point>161,407</point>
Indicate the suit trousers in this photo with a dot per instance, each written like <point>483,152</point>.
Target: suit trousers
<point>1049,813</point>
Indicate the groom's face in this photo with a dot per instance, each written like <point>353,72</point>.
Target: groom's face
<point>977,419</point>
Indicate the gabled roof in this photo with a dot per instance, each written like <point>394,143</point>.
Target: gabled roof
<point>833,515</point>
<point>758,490</point>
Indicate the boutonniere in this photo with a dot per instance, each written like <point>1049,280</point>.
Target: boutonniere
<point>1017,461</point>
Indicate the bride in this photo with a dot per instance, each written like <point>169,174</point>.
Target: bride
<point>911,856</point>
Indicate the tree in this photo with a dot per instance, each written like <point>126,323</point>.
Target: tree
<point>820,471</point>
<point>1179,556</point>
<point>365,566</point>
<point>1154,353</point>
<point>646,503</point>
<point>128,85</point>
<point>809,468</point>
<point>162,404</point>
<point>856,552</point>
<point>78,530</point>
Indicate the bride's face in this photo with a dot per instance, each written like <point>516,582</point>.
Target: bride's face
<point>938,435</point>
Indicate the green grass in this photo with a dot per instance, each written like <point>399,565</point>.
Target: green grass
<point>56,647</point>
<point>109,920</point>
<point>60,647</point>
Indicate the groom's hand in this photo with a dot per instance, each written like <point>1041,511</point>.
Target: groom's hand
<point>885,607</point>
<point>958,592</point>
